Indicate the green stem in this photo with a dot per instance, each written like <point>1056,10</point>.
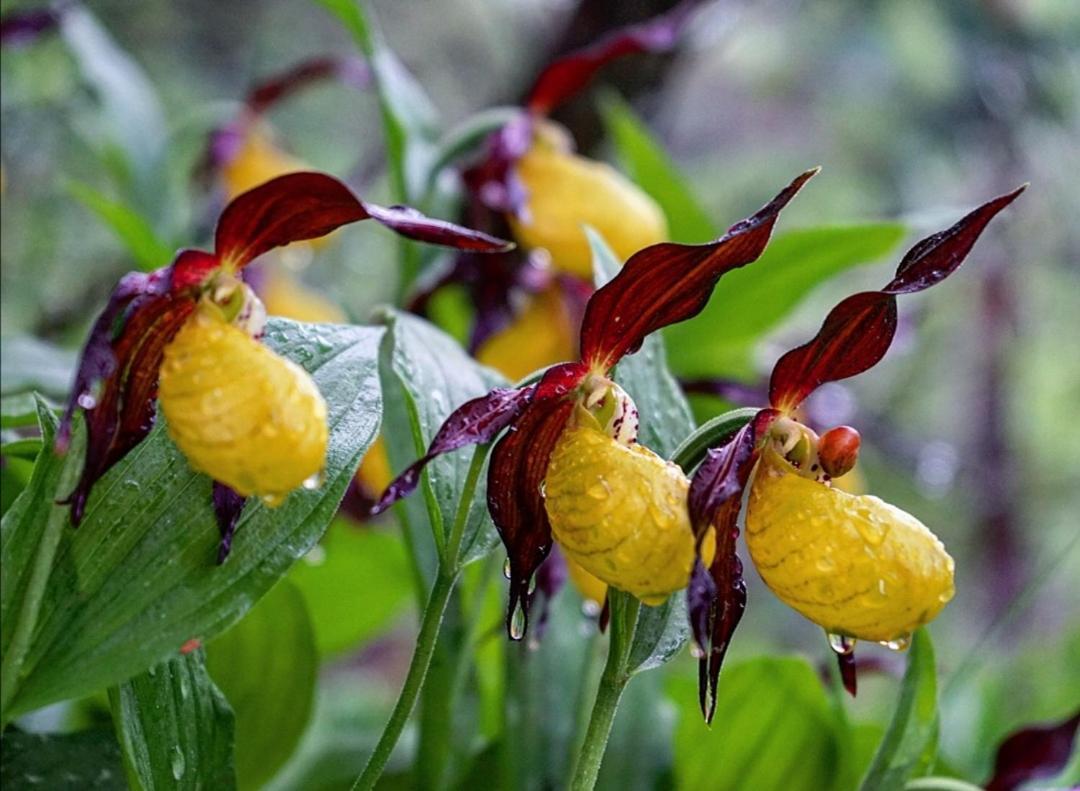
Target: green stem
<point>711,434</point>
<point>624,617</point>
<point>414,681</point>
<point>449,570</point>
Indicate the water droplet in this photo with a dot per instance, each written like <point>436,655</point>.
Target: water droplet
<point>517,622</point>
<point>900,643</point>
<point>316,557</point>
<point>696,651</point>
<point>132,484</point>
<point>507,570</point>
<point>87,401</point>
<point>314,481</point>
<point>841,643</point>
<point>590,609</point>
<point>825,563</point>
<point>178,763</point>
<point>598,491</point>
<point>273,500</point>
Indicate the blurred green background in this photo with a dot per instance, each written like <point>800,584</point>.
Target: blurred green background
<point>917,109</point>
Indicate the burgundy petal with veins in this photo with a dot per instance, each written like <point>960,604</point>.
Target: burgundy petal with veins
<point>668,283</point>
<point>566,76</point>
<point>474,422</point>
<point>518,467</point>
<point>1033,753</point>
<point>307,205</point>
<point>116,380</point>
<point>858,332</point>
<point>493,181</point>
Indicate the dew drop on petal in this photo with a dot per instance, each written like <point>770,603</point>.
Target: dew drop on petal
<point>517,622</point>
<point>841,643</point>
<point>178,763</point>
<point>900,643</point>
<point>507,570</point>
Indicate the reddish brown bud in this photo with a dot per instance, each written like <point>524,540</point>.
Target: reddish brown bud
<point>838,450</point>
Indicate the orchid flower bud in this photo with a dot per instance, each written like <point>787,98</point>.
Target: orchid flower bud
<point>567,191</point>
<point>855,565</point>
<point>240,413</point>
<point>619,511</point>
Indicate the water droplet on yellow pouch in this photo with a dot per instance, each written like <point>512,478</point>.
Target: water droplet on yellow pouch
<point>841,643</point>
<point>900,643</point>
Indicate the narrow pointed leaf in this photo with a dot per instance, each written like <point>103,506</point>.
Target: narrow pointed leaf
<point>139,578</point>
<point>127,224</point>
<point>667,283</point>
<point>175,728</point>
<point>270,91</point>
<point>910,743</point>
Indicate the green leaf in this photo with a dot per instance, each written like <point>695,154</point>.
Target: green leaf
<point>430,375</point>
<point>33,364</point>
<point>773,729</point>
<point>267,667</point>
<point>651,168</point>
<point>410,121</point>
<point>175,727</point>
<point>130,227</point>
<point>665,421</point>
<point>20,411</point>
<point>138,578</point>
<point>355,583</point>
<point>750,301</point>
<point>61,762</point>
<point>910,744</point>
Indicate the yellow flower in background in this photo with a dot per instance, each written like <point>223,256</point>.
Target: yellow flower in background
<point>257,160</point>
<point>592,589</point>
<point>286,296</point>
<point>542,334</point>
<point>566,191</point>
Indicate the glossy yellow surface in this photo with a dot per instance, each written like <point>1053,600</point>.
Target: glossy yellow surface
<point>539,336</point>
<point>240,413</point>
<point>853,564</point>
<point>591,588</point>
<point>620,513</point>
<point>566,191</point>
<point>257,161</point>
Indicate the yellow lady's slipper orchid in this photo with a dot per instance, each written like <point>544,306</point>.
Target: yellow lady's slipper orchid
<point>567,191</point>
<point>540,335</point>
<point>257,161</point>
<point>240,413</point>
<point>285,296</point>
<point>853,564</point>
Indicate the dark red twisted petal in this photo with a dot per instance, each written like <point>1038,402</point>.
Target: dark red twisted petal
<point>493,181</point>
<point>307,205</point>
<point>848,672</point>
<point>349,70</point>
<point>18,28</point>
<point>474,422</point>
<point>1033,753</point>
<point>228,505</point>
<point>566,76</point>
<point>667,283</point>
<point>858,332</point>
<point>116,380</point>
<point>716,597</point>
<point>516,500</point>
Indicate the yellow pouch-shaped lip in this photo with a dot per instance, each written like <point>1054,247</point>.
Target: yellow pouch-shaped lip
<point>620,513</point>
<point>855,565</point>
<point>241,414</point>
<point>566,191</point>
<point>539,336</point>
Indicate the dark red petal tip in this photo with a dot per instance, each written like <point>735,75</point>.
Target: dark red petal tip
<point>936,257</point>
<point>307,205</point>
<point>228,505</point>
<point>848,672</point>
<point>858,332</point>
<point>474,422</point>
<point>516,501</point>
<point>565,77</point>
<point>667,283</point>
<point>1034,753</point>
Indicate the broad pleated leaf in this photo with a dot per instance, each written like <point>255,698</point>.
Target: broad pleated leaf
<point>138,579</point>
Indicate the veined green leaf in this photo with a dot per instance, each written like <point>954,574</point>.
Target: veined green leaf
<point>910,744</point>
<point>773,729</point>
<point>267,667</point>
<point>750,301</point>
<point>84,761</point>
<point>651,168</point>
<point>130,227</point>
<point>432,376</point>
<point>355,583</point>
<point>138,579</point>
<point>175,728</point>
<point>665,421</point>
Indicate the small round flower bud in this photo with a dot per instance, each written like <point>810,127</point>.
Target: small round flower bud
<point>838,450</point>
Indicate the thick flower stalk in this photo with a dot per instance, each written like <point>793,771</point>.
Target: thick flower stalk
<point>857,566</point>
<point>187,335</point>
<point>568,468</point>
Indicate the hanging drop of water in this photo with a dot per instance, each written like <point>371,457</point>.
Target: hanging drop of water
<point>314,481</point>
<point>900,643</point>
<point>517,622</point>
<point>506,568</point>
<point>841,643</point>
